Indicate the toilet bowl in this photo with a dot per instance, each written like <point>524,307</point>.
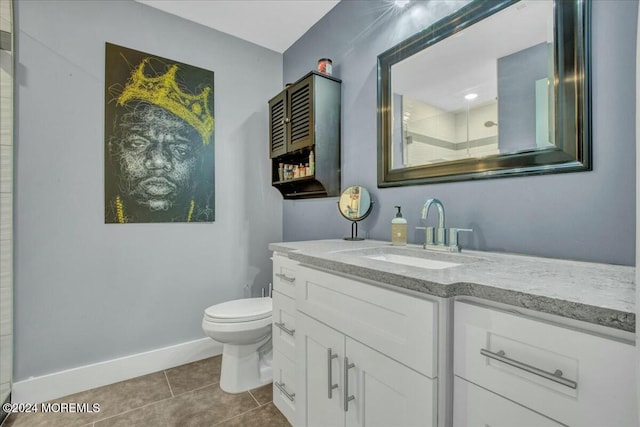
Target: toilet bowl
<point>243,326</point>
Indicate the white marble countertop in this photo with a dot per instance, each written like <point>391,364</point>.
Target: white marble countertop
<point>597,293</point>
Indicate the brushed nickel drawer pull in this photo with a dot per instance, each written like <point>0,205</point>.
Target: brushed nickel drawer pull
<point>552,376</point>
<point>330,385</point>
<point>285,277</point>
<point>281,387</point>
<point>284,328</point>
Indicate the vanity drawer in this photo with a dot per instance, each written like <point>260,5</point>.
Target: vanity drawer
<point>400,326</point>
<point>284,325</point>
<point>516,357</point>
<point>284,385</point>
<point>284,275</point>
<point>474,406</point>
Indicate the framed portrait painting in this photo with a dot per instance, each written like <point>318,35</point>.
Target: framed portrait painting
<point>159,139</point>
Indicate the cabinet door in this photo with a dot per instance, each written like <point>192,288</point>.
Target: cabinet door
<point>476,407</point>
<point>301,123</point>
<point>316,372</point>
<point>385,392</point>
<point>278,125</point>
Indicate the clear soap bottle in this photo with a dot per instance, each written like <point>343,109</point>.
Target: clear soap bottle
<point>398,229</point>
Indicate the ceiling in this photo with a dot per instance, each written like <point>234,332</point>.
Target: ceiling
<point>274,24</point>
<point>467,61</point>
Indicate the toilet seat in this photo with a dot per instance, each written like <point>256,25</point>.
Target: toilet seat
<point>241,310</point>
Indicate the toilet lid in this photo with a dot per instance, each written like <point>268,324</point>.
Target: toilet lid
<point>240,310</point>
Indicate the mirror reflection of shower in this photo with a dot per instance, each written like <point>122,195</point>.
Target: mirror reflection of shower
<point>469,97</point>
<point>427,134</point>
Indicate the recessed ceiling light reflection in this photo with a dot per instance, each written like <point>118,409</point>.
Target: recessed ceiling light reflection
<point>470,96</point>
<point>401,3</point>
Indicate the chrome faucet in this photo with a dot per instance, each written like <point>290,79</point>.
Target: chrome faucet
<point>437,238</point>
<point>439,232</point>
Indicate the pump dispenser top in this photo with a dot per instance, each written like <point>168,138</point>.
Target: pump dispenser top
<point>398,229</point>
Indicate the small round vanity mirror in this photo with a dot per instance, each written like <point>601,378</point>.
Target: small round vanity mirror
<point>355,205</point>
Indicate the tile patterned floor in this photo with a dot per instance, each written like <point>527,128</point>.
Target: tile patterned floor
<point>184,396</point>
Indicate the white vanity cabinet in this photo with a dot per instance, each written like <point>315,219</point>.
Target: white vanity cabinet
<point>346,383</point>
<point>574,377</point>
<point>354,352</point>
<point>366,356</point>
<point>284,339</point>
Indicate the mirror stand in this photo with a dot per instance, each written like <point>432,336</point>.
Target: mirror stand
<point>354,232</point>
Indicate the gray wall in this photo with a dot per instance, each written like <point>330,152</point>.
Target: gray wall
<point>88,292</point>
<point>584,216</point>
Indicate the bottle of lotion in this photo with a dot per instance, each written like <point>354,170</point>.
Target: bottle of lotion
<point>312,163</point>
<point>398,229</point>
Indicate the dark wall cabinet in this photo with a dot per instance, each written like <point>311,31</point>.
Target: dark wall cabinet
<point>305,118</point>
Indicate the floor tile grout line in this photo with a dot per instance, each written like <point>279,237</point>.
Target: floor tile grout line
<point>132,409</point>
<point>153,403</point>
<point>198,388</point>
<point>238,415</point>
<point>254,398</point>
<point>168,382</point>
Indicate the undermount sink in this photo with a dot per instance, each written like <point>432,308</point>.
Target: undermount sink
<point>413,261</point>
<point>410,256</point>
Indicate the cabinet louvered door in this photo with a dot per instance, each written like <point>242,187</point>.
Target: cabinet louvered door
<point>300,97</point>
<point>278,125</point>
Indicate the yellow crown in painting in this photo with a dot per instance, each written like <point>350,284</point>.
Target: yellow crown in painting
<point>164,92</point>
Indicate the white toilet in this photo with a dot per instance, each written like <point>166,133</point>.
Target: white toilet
<point>244,327</point>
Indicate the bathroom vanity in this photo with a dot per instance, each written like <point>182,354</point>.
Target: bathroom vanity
<point>366,333</point>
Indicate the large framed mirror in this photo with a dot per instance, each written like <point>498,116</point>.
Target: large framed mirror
<point>497,88</point>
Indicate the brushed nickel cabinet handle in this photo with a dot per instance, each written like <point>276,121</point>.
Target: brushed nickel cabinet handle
<point>285,277</point>
<point>330,385</point>
<point>281,387</point>
<point>556,376</point>
<point>347,398</point>
<point>284,328</point>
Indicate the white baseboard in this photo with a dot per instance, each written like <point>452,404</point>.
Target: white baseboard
<point>70,381</point>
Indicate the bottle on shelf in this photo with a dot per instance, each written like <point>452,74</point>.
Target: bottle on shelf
<point>312,163</point>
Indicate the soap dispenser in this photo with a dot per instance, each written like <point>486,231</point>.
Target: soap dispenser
<point>398,229</point>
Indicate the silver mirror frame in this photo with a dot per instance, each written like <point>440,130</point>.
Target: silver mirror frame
<point>572,80</point>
